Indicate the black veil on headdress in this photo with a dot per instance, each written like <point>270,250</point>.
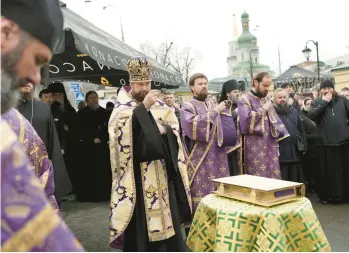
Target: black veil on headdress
<point>227,87</point>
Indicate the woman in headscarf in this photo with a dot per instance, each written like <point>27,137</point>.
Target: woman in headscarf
<point>94,168</point>
<point>309,160</point>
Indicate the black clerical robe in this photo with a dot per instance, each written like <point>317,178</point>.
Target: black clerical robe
<point>94,167</point>
<point>154,148</point>
<point>39,115</point>
<point>333,149</point>
<point>64,118</point>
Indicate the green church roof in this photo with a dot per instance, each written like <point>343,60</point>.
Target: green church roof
<point>244,15</point>
<point>246,38</point>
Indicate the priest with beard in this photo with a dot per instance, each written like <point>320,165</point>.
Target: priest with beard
<point>209,135</point>
<point>292,148</point>
<point>28,221</point>
<point>93,152</point>
<point>40,117</point>
<point>150,195</point>
<point>231,92</point>
<point>261,129</point>
<point>330,111</point>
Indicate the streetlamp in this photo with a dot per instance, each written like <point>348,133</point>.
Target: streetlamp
<point>307,52</point>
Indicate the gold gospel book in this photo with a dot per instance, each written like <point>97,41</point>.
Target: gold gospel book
<point>259,190</point>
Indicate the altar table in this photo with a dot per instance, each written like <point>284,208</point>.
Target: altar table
<point>223,224</point>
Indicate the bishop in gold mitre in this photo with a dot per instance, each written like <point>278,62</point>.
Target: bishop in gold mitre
<point>150,180</point>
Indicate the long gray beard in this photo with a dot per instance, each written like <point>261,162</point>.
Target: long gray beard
<point>10,83</point>
<point>9,91</point>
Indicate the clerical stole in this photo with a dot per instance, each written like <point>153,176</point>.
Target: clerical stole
<point>154,173</point>
<point>35,149</point>
<point>204,136</point>
<point>261,130</point>
<point>28,222</point>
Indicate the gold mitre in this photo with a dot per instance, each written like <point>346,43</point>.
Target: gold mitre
<point>139,69</point>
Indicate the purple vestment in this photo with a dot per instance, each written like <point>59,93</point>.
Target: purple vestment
<point>204,149</point>
<point>28,221</point>
<point>262,131</point>
<point>35,149</point>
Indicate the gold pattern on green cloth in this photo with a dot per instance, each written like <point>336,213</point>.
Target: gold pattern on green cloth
<point>154,173</point>
<point>222,224</point>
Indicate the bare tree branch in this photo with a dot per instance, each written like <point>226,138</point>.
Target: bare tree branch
<point>180,61</point>
<point>148,49</point>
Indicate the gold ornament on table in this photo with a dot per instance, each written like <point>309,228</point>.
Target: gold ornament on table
<point>139,69</point>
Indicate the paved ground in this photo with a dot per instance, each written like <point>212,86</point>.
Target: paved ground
<point>89,222</point>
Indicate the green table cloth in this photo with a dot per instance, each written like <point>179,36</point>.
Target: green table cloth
<point>223,224</point>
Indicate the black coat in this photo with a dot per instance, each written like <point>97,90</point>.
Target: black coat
<point>92,124</point>
<point>94,158</point>
<point>310,129</point>
<point>61,118</point>
<point>331,120</point>
<point>288,147</point>
<point>66,138</point>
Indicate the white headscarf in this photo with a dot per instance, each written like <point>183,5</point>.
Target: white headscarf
<point>304,103</point>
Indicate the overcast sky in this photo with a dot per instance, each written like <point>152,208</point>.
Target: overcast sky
<point>207,26</point>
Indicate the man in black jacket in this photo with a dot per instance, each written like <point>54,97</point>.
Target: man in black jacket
<point>291,94</point>
<point>330,111</point>
<point>295,145</point>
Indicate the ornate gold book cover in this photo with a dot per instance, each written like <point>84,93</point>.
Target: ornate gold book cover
<point>259,190</point>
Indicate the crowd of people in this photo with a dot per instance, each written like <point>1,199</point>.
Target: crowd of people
<point>153,159</point>
<point>77,142</point>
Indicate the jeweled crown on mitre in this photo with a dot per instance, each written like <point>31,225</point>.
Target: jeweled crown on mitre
<point>139,69</point>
